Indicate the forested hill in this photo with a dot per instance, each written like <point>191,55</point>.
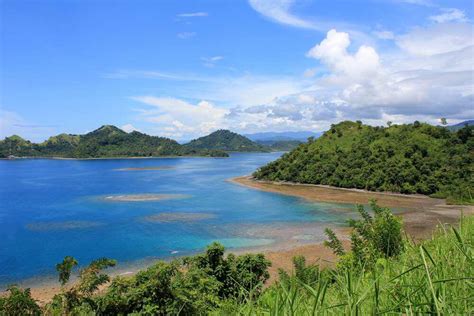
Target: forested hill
<point>227,141</point>
<point>106,141</point>
<point>411,158</point>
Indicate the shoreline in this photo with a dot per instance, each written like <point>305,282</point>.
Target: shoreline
<point>421,214</point>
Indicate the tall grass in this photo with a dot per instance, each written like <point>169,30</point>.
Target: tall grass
<point>435,277</point>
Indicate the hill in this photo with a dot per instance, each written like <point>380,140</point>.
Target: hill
<point>411,158</point>
<point>104,142</point>
<point>227,141</point>
<point>458,126</point>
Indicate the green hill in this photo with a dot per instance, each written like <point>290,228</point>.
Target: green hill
<point>227,141</point>
<point>106,141</point>
<point>412,158</point>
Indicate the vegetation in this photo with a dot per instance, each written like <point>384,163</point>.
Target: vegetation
<point>381,273</point>
<point>107,141</point>
<point>433,278</point>
<point>280,145</point>
<point>227,141</point>
<point>410,158</point>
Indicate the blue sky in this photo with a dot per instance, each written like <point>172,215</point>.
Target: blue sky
<point>185,68</point>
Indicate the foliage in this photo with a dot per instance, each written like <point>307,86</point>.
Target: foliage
<point>227,141</point>
<point>106,141</point>
<point>78,299</point>
<point>372,238</point>
<point>64,269</point>
<point>432,278</point>
<point>409,158</point>
<point>280,145</point>
<point>18,303</point>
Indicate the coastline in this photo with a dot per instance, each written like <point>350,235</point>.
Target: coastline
<point>420,214</point>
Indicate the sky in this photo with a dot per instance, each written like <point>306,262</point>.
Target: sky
<point>183,69</point>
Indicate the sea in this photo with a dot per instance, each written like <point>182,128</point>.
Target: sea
<point>140,210</point>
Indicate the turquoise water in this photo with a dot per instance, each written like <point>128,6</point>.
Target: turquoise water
<point>53,208</point>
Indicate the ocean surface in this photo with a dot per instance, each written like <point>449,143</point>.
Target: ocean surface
<point>53,208</point>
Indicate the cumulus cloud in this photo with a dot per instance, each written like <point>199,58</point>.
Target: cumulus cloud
<point>361,83</point>
<point>429,75</point>
<point>438,80</point>
<point>178,118</point>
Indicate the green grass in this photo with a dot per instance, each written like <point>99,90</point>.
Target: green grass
<point>435,277</point>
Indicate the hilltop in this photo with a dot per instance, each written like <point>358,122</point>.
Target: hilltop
<point>227,141</point>
<point>408,158</point>
<point>105,142</point>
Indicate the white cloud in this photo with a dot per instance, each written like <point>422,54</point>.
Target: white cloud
<point>186,35</point>
<point>449,15</point>
<point>363,84</point>
<point>437,39</point>
<point>129,128</point>
<point>177,118</point>
<point>278,11</point>
<point>192,14</point>
<point>426,78</point>
<point>332,51</point>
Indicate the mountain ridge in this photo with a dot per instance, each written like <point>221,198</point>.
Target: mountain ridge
<point>227,141</point>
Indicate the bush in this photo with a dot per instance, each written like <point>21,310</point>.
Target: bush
<point>372,238</point>
<point>18,303</point>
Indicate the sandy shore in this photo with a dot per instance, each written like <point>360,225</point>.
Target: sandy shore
<point>144,197</point>
<point>420,215</point>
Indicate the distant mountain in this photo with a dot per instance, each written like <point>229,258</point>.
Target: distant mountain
<point>458,126</point>
<point>227,141</point>
<point>279,136</point>
<point>106,141</point>
<point>280,145</point>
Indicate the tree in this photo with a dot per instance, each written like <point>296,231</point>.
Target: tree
<point>65,268</point>
<point>372,237</point>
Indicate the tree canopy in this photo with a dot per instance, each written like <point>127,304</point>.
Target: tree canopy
<point>408,158</point>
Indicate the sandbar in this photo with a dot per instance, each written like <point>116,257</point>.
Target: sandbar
<point>144,197</point>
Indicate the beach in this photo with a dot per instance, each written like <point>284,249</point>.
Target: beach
<point>420,215</point>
